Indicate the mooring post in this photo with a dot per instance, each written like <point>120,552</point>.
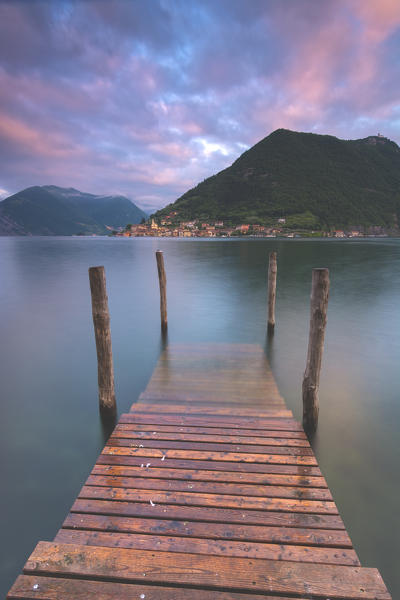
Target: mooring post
<point>272,270</point>
<point>163,289</point>
<point>102,332</point>
<point>319,305</point>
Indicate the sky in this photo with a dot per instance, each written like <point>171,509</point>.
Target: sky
<point>147,98</point>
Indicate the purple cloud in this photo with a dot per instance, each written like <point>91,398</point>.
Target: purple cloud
<point>148,98</point>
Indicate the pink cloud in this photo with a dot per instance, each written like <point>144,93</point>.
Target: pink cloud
<point>123,103</point>
<point>32,140</point>
<point>172,150</point>
<point>379,19</point>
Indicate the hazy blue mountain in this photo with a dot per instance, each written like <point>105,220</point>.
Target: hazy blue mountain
<point>51,210</point>
<point>311,180</point>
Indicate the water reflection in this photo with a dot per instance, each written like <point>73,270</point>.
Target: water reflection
<point>217,292</point>
<point>107,425</point>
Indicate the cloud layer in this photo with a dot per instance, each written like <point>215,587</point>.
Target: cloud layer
<point>148,97</point>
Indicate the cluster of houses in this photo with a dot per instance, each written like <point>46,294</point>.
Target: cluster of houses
<point>167,227</point>
<point>195,229</point>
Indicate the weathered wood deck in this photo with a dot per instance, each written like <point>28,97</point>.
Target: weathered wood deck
<point>207,489</point>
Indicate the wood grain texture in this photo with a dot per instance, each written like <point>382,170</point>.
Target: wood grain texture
<point>214,447</point>
<point>232,432</point>
<point>318,312</point>
<point>207,514</point>
<point>59,588</point>
<point>221,573</point>
<point>217,500</point>
<point>270,438</point>
<point>201,529</point>
<point>208,410</point>
<point>215,421</point>
<point>243,457</point>
<point>170,474</point>
<point>102,332</point>
<point>209,547</point>
<point>210,465</point>
<point>162,280</point>
<point>272,271</point>
<point>195,487</point>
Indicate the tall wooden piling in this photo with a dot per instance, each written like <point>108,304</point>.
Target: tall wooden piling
<point>163,289</point>
<point>102,332</point>
<point>272,270</point>
<point>318,310</point>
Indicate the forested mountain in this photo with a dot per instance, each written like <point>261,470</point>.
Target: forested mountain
<point>51,210</point>
<point>310,180</point>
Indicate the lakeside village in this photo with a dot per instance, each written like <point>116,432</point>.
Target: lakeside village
<point>168,227</point>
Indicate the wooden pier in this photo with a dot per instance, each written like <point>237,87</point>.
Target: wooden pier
<point>208,489</point>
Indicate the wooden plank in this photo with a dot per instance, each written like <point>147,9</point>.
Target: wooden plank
<point>208,514</point>
<point>57,588</point>
<point>160,388</point>
<point>217,354</point>
<point>217,368</point>
<point>259,576</point>
<point>209,455</point>
<point>261,533</point>
<point>217,500</point>
<point>277,423</point>
<point>204,386</point>
<point>218,373</point>
<point>213,382</point>
<point>191,389</point>
<point>303,554</point>
<point>179,409</point>
<point>220,377</point>
<point>207,348</point>
<point>214,447</point>
<point>263,400</point>
<point>210,465</point>
<point>242,386</point>
<point>222,432</point>
<point>215,438</point>
<point>194,487</point>
<point>204,475</point>
<point>232,402</point>
<point>218,447</point>
<point>228,398</point>
<point>215,362</point>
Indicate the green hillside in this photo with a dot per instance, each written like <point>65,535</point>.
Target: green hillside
<point>311,180</point>
<point>51,210</point>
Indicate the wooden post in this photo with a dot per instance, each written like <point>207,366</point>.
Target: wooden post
<point>272,269</point>
<point>163,289</point>
<point>102,332</point>
<point>319,305</point>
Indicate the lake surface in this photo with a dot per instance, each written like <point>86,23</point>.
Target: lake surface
<point>50,430</point>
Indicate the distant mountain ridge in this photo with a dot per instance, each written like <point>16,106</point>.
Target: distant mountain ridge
<point>313,181</point>
<point>52,210</point>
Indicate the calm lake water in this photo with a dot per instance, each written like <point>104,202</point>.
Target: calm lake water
<point>50,430</point>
